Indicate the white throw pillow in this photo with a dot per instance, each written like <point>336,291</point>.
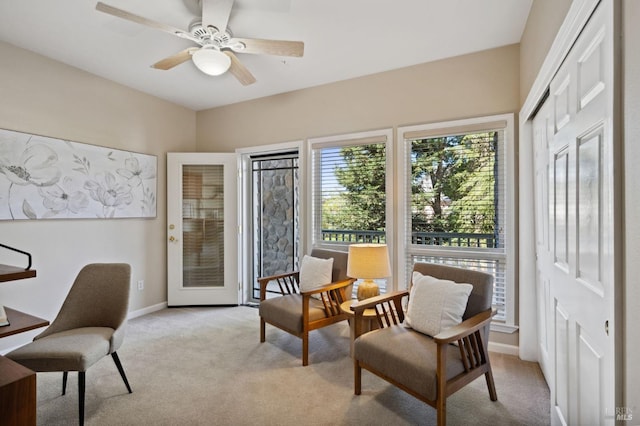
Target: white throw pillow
<point>435,304</point>
<point>315,272</point>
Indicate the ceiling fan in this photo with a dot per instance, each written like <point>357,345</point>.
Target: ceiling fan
<point>216,48</point>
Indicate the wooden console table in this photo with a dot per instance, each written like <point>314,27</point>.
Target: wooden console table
<point>11,273</point>
<point>17,394</point>
<point>20,322</point>
<point>17,383</point>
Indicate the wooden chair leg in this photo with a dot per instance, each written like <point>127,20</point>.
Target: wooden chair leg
<point>441,414</point>
<point>305,349</point>
<point>491,385</point>
<point>65,374</point>
<point>81,381</point>
<point>357,378</point>
<point>441,391</point>
<point>262,331</point>
<point>116,359</point>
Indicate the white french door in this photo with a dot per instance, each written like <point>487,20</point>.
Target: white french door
<point>575,230</point>
<point>202,229</point>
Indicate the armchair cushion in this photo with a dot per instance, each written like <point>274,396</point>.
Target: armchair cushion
<point>435,304</point>
<point>409,357</point>
<point>315,272</point>
<point>285,311</point>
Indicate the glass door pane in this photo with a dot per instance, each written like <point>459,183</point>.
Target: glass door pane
<point>276,242</point>
<point>203,225</point>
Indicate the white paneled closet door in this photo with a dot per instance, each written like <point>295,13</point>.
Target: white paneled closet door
<point>575,235</point>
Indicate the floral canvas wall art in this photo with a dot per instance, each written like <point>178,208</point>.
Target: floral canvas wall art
<point>47,178</point>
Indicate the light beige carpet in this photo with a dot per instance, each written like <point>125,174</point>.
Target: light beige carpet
<point>206,366</point>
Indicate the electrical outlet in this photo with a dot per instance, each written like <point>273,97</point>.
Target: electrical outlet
<point>140,285</point>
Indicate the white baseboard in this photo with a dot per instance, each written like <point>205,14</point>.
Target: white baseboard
<point>147,310</point>
<point>504,349</point>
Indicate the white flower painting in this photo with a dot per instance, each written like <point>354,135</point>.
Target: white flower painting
<point>47,178</point>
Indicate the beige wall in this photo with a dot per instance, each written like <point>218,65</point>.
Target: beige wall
<point>477,84</point>
<point>45,97</point>
<point>545,18</point>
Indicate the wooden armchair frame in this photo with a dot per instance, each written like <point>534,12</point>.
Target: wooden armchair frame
<point>471,338</point>
<point>329,299</point>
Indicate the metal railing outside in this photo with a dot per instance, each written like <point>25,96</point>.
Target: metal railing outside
<point>444,239</point>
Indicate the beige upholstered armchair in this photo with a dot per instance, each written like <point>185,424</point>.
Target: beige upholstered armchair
<point>429,367</point>
<point>299,311</point>
<point>89,326</point>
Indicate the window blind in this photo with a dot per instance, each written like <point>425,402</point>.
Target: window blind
<point>349,199</point>
<point>349,191</point>
<point>455,189</point>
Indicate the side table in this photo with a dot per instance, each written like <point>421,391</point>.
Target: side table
<point>369,321</point>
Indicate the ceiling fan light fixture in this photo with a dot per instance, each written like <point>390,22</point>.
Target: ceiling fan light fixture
<point>211,61</point>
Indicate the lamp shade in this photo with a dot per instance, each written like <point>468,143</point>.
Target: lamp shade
<point>211,61</point>
<point>368,261</point>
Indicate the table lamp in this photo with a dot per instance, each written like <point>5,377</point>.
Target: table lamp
<point>368,261</point>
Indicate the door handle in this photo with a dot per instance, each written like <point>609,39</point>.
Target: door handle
<point>173,239</point>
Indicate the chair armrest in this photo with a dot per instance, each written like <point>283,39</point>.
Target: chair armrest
<point>276,277</point>
<point>465,328</point>
<point>471,344</point>
<point>388,309</point>
<point>331,296</point>
<point>287,282</point>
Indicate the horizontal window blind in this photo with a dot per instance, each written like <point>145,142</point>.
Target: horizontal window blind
<point>349,199</point>
<point>349,191</point>
<point>456,200</point>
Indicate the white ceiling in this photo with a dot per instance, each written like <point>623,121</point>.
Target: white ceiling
<point>343,39</point>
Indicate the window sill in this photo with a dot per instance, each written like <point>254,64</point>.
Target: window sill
<point>503,328</point>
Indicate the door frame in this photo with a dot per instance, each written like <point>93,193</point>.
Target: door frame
<point>579,13</point>
<point>244,205</point>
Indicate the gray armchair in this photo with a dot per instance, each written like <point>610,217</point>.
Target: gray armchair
<point>429,368</point>
<point>89,326</point>
<point>298,312</point>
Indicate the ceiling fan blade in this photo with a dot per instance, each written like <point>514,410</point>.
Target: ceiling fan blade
<point>270,47</point>
<point>239,71</point>
<point>177,59</point>
<point>141,20</point>
<point>216,13</point>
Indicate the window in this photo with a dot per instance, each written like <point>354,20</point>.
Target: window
<point>457,208</point>
<point>351,183</point>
